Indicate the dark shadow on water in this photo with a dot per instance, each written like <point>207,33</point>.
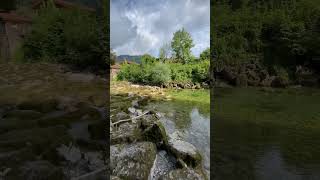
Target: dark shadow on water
<point>271,135</point>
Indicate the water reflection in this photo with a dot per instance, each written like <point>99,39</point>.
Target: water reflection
<point>262,135</point>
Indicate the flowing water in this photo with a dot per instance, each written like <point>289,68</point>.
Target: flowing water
<point>262,134</point>
<point>192,121</point>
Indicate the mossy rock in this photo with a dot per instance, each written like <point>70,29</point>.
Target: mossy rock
<point>184,151</point>
<point>182,174</point>
<point>155,133</point>
<point>132,161</point>
<point>126,133</point>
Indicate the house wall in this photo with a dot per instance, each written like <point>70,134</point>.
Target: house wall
<point>15,33</point>
<point>4,46</point>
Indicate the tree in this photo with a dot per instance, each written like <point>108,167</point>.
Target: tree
<point>164,52</point>
<point>205,55</point>
<point>147,59</point>
<point>181,45</point>
<point>113,57</point>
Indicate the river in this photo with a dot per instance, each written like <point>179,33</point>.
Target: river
<point>191,120</point>
<point>263,134</point>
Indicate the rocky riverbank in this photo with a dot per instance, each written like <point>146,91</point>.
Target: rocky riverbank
<point>52,123</point>
<point>142,149</point>
<point>255,74</point>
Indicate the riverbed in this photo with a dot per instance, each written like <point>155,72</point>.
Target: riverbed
<point>262,133</point>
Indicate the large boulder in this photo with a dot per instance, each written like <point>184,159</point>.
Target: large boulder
<point>132,161</point>
<point>184,151</point>
<point>155,133</point>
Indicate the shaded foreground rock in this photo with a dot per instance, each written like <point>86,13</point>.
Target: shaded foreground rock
<point>41,170</point>
<point>132,161</point>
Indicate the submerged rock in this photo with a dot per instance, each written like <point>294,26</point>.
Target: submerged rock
<point>183,174</point>
<point>132,161</point>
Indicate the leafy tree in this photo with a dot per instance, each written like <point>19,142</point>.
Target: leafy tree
<point>113,57</point>
<point>165,51</point>
<point>181,46</point>
<point>205,55</point>
<point>147,59</point>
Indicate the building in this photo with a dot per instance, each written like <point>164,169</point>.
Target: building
<point>114,70</point>
<point>61,4</point>
<point>13,27</point>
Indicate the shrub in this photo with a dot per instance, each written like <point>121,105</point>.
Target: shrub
<point>70,37</point>
<point>158,73</point>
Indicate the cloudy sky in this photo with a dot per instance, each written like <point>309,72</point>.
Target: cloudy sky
<point>143,26</point>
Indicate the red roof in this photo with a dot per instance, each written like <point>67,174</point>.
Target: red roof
<point>13,17</point>
<point>63,4</point>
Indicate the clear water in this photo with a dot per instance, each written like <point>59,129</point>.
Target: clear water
<point>193,123</point>
<point>263,134</point>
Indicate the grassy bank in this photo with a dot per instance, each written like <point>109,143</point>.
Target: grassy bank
<point>196,96</point>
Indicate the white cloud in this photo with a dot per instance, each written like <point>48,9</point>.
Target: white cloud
<point>143,26</point>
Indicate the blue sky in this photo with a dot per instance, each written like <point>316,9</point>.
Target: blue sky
<point>143,26</point>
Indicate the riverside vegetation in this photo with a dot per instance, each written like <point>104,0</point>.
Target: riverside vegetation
<point>181,70</point>
<point>266,43</point>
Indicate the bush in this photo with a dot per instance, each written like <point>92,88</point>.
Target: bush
<point>69,37</point>
<point>160,73</point>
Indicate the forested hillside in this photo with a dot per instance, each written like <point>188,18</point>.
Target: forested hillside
<point>279,37</point>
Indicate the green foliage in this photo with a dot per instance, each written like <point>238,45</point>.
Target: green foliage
<point>205,55</point>
<point>155,74</point>
<point>113,57</point>
<point>148,59</point>
<point>164,52</point>
<point>159,73</point>
<point>283,33</point>
<point>181,46</point>
<point>71,37</point>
